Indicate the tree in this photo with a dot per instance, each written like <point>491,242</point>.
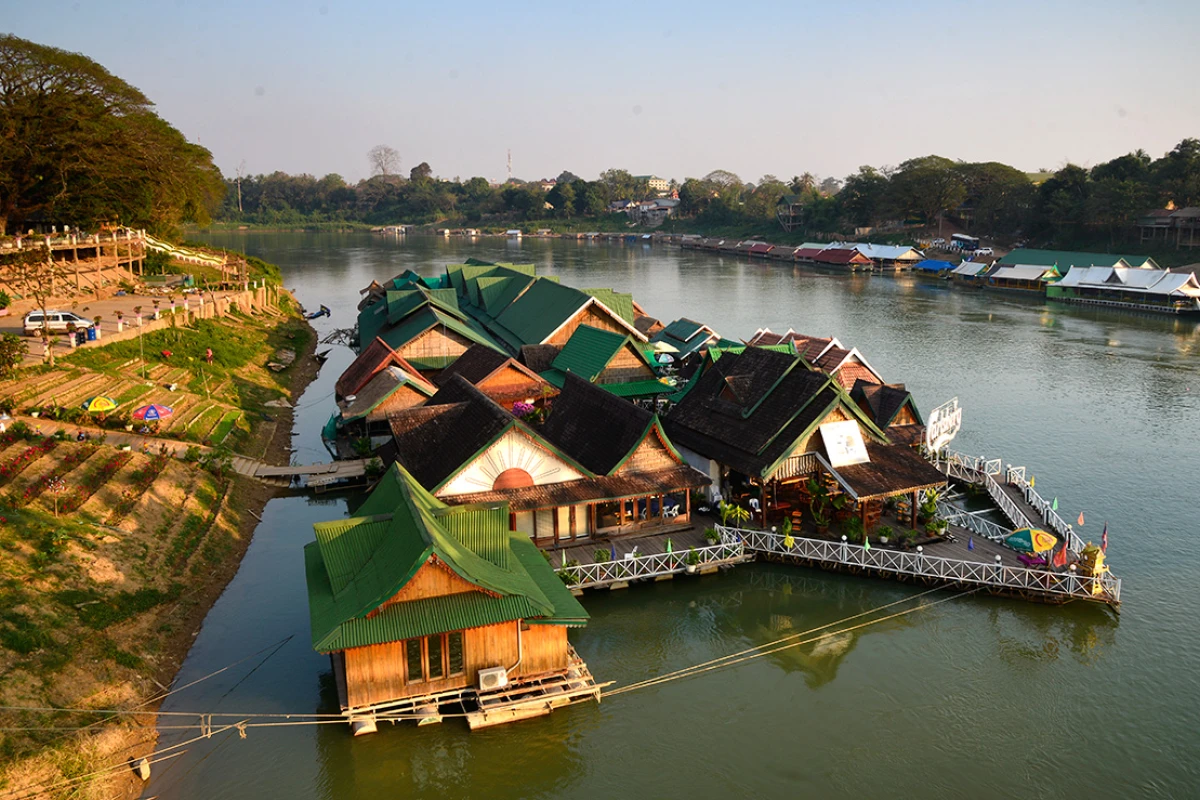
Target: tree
<point>926,187</point>
<point>803,183</point>
<point>81,146</point>
<point>34,273</point>
<point>863,196</point>
<point>384,160</point>
<point>566,176</point>
<point>421,172</point>
<point>1000,197</point>
<point>830,186</point>
<point>12,353</point>
<point>562,197</point>
<point>1178,174</point>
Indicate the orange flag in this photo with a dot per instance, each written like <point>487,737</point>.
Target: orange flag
<point>1080,517</point>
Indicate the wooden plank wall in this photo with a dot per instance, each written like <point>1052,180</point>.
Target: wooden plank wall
<point>626,366</point>
<point>376,674</point>
<point>589,316</point>
<point>433,343</point>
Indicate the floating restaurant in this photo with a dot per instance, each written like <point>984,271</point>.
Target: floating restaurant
<point>555,450</point>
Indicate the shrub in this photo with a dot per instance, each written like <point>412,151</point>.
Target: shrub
<point>601,555</point>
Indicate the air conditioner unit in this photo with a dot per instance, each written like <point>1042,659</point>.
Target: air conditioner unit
<point>492,678</point>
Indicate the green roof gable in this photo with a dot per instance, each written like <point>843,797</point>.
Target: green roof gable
<point>540,311</point>
<point>620,303</point>
<point>356,565</point>
<point>589,350</point>
<point>424,319</point>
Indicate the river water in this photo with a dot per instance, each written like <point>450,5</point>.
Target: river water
<point>979,697</point>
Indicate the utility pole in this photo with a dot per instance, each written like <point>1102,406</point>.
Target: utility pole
<point>240,171</point>
<point>510,164</point>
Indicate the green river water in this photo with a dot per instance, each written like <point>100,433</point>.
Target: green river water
<point>978,697</point>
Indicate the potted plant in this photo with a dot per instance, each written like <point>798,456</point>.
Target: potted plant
<point>691,560</point>
<point>927,508</point>
<point>120,321</point>
<point>96,319</point>
<point>820,518</point>
<point>156,301</point>
<point>138,311</point>
<point>711,535</point>
<point>853,528</point>
<point>885,534</point>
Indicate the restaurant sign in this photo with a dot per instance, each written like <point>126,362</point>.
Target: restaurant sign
<point>943,425</point>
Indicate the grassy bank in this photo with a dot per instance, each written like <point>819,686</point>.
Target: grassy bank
<point>109,559</point>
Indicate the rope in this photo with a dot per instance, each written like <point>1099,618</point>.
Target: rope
<point>687,673</point>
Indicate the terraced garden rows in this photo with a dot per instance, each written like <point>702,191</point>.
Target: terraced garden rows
<point>65,462</point>
<point>31,387</point>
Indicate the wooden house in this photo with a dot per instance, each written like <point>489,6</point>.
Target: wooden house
<point>762,423</point>
<point>1021,277</point>
<point>848,257</point>
<point>378,382</point>
<point>419,604</point>
<point>464,448</point>
<point>501,377</point>
<point>611,360</point>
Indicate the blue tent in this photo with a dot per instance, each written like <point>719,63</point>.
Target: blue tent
<point>932,265</point>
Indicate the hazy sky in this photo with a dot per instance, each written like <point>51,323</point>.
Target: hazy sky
<point>671,88</point>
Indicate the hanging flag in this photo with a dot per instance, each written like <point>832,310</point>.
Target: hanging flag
<point>1060,558</point>
<point>612,551</point>
<point>866,542</point>
<point>1104,539</point>
<point>1054,505</point>
<point>1032,481</point>
<point>1081,518</point>
<point>970,542</point>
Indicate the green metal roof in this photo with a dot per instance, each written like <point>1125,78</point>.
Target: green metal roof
<point>541,310</point>
<point>620,303</point>
<point>682,329</point>
<point>646,388</point>
<point>788,347</point>
<point>589,350</point>
<point>428,317</point>
<point>357,564</point>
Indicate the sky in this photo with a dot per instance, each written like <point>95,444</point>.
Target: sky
<point>675,89</point>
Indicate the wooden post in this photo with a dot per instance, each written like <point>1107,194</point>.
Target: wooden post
<point>762,492</point>
<point>914,511</point>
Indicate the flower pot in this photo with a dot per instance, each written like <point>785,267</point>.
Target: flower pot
<point>691,569</point>
<point>129,427</point>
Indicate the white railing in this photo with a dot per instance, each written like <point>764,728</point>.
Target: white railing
<point>968,468</point>
<point>1009,506</point>
<point>585,576</point>
<point>1016,476</point>
<point>1059,584</point>
<point>973,522</point>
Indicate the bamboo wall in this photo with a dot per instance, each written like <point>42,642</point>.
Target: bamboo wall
<point>650,456</point>
<point>402,398</point>
<point>626,366</point>
<point>434,343</point>
<point>591,315</point>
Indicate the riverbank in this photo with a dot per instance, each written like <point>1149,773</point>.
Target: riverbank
<point>102,602</point>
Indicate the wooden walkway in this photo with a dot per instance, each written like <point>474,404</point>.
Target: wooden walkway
<point>649,543</point>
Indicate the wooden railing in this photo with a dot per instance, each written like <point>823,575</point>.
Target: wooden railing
<point>1105,588</point>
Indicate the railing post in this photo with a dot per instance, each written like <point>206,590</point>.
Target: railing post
<point>845,550</point>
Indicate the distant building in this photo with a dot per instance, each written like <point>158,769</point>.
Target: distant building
<point>547,185</point>
<point>1171,226</point>
<point>655,183</point>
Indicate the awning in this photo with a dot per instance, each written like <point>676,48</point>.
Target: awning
<point>589,490</point>
<point>892,470</point>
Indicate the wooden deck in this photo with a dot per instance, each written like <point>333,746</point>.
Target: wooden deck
<point>648,543</point>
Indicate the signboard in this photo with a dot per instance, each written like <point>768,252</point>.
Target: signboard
<point>943,425</point>
<point>844,443</point>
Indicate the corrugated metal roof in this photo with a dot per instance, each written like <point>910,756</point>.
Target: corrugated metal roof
<point>356,565</point>
<point>620,303</point>
<point>970,268</point>
<point>1022,272</point>
<point>588,352</point>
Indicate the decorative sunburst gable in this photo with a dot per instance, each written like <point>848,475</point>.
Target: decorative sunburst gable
<point>520,458</point>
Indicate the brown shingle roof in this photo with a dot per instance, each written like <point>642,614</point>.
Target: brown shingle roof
<point>593,426</point>
<point>434,440</point>
<point>748,409</point>
<point>893,469</point>
<point>539,357</point>
<point>884,400</point>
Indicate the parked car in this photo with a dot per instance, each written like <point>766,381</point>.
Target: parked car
<point>56,321</point>
<point>984,251</point>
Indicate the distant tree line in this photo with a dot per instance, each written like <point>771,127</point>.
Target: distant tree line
<point>987,197</point>
<point>79,146</point>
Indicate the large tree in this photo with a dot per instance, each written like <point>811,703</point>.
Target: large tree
<point>1178,174</point>
<point>925,187</point>
<point>384,159</point>
<point>79,146</point>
